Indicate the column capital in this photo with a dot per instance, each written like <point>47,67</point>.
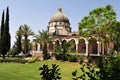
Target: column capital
<point>98,42</point>
<point>86,42</point>
<point>76,42</point>
<point>53,42</point>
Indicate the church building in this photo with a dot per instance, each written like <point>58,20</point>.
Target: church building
<point>60,29</point>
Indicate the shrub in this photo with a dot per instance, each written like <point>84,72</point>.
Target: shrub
<point>89,72</point>
<point>65,57</point>
<point>50,74</point>
<point>58,56</point>
<point>73,58</point>
<point>15,60</point>
<point>32,60</point>
<point>23,61</point>
<point>109,68</point>
<point>81,59</point>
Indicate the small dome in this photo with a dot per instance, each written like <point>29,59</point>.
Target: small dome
<point>59,17</point>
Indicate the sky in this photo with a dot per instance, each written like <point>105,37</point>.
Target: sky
<point>37,13</point>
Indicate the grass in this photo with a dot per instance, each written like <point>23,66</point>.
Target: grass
<point>16,71</point>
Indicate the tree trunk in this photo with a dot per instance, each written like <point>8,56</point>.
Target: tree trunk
<point>45,51</point>
<point>26,45</point>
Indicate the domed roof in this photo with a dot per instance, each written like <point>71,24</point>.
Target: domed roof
<point>59,17</point>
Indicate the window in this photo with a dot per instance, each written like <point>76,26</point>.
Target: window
<point>52,30</point>
<point>60,31</point>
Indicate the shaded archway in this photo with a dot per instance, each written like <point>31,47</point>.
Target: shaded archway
<point>72,46</point>
<point>64,41</point>
<point>93,46</point>
<point>82,46</point>
<point>57,43</point>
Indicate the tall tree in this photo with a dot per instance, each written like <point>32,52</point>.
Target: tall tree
<point>6,30</point>
<point>5,38</point>
<point>17,47</point>
<point>43,38</point>
<point>99,24</point>
<point>18,41</point>
<point>26,32</point>
<point>1,29</point>
<point>2,24</point>
<point>116,38</point>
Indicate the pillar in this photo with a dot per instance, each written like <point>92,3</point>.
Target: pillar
<point>100,47</point>
<point>38,47</point>
<point>76,46</point>
<point>53,45</point>
<point>87,48</point>
<point>98,51</point>
<point>60,43</point>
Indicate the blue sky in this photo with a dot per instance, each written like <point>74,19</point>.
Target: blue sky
<point>36,13</point>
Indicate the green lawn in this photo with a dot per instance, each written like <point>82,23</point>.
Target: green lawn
<point>16,71</point>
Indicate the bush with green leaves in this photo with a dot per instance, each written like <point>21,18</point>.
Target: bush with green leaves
<point>110,67</point>
<point>89,72</point>
<point>50,74</point>
<point>73,58</point>
<point>32,60</point>
<point>58,56</point>
<point>61,51</point>
<point>13,60</point>
<point>81,59</point>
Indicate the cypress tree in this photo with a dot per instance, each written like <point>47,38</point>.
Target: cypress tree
<point>5,38</point>
<point>2,24</point>
<point>1,30</point>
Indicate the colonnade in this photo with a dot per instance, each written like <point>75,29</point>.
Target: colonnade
<point>37,46</point>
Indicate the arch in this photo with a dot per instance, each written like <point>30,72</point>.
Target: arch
<point>57,43</point>
<point>72,45</point>
<point>72,39</point>
<point>81,46</point>
<point>64,41</point>
<point>86,40</point>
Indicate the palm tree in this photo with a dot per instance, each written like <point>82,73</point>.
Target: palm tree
<point>43,38</point>
<point>25,31</point>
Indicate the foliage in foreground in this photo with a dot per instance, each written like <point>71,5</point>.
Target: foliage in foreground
<point>110,67</point>
<point>88,72</point>
<point>50,74</point>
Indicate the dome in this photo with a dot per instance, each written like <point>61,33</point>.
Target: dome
<point>59,17</point>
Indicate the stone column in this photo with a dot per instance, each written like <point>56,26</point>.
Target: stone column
<point>98,43</point>
<point>60,43</point>
<point>53,45</point>
<point>76,47</point>
<point>87,48</point>
<point>38,47</point>
<point>100,46</point>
